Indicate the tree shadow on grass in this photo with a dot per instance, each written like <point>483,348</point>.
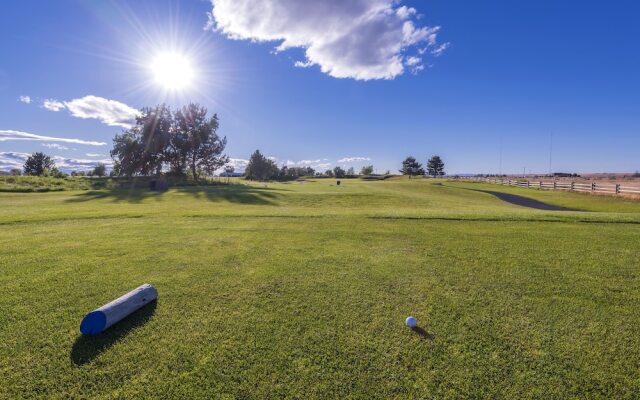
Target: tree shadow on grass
<point>87,347</point>
<point>241,194</point>
<point>423,333</point>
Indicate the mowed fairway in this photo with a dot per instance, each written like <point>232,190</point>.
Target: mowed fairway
<point>300,290</point>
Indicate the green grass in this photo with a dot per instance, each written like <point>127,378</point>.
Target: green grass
<point>300,290</point>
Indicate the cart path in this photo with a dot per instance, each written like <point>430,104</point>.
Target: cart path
<point>523,201</point>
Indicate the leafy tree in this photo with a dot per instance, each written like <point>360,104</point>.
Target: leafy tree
<point>411,167</point>
<point>194,141</point>
<point>260,168</point>
<point>99,170</point>
<point>229,170</point>
<point>366,170</point>
<point>435,166</point>
<point>38,164</point>
<point>328,173</point>
<point>351,171</point>
<point>180,140</point>
<point>15,172</point>
<point>338,172</point>
<point>141,150</point>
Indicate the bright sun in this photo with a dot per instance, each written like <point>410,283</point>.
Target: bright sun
<point>172,70</point>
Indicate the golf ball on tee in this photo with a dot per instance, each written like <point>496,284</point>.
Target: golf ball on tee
<point>411,322</point>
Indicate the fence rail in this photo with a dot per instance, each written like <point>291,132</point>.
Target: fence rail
<point>593,187</point>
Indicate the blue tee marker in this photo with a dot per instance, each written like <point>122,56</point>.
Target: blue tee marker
<point>98,320</point>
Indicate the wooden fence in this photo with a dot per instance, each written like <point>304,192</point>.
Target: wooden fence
<point>592,187</point>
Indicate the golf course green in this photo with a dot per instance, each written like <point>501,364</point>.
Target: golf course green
<point>301,290</point>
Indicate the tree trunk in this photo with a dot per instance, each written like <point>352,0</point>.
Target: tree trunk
<point>193,169</point>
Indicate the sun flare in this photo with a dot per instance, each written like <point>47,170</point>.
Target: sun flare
<point>173,71</point>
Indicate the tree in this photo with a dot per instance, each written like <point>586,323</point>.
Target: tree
<point>411,167</point>
<point>435,166</point>
<point>141,149</point>
<point>229,170</point>
<point>338,172</point>
<point>180,140</point>
<point>38,164</point>
<point>15,172</point>
<point>351,171</point>
<point>329,173</point>
<point>195,142</point>
<point>99,170</point>
<point>260,168</point>
<point>366,170</point>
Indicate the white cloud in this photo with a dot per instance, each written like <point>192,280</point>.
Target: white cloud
<point>359,39</point>
<point>437,52</point>
<point>238,164</point>
<point>18,135</point>
<point>95,155</point>
<point>109,112</point>
<point>56,146</point>
<point>53,105</point>
<point>25,99</point>
<point>353,159</point>
<point>74,164</point>
<point>414,64</point>
<point>10,160</point>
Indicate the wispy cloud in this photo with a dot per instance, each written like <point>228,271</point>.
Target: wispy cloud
<point>18,135</point>
<point>75,164</point>
<point>95,155</point>
<point>319,164</point>
<point>359,39</point>
<point>56,146</point>
<point>53,105</point>
<point>25,99</point>
<point>109,112</point>
<point>11,159</point>
<point>353,159</point>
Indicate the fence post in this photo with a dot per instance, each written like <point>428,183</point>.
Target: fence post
<point>555,185</point>
<point>617,188</point>
<point>593,186</point>
<point>573,185</point>
<point>539,184</point>
<point>528,184</point>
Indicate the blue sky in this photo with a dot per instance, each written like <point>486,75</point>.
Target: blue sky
<point>510,72</point>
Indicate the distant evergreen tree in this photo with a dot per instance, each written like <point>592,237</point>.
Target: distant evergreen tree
<point>339,172</point>
<point>411,167</point>
<point>260,168</point>
<point>99,170</point>
<point>38,164</point>
<point>366,170</point>
<point>435,166</point>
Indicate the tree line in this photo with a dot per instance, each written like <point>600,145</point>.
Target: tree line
<point>40,164</point>
<point>184,142</point>
<point>261,168</point>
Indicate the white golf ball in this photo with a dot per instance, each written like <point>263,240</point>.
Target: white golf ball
<point>411,322</point>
